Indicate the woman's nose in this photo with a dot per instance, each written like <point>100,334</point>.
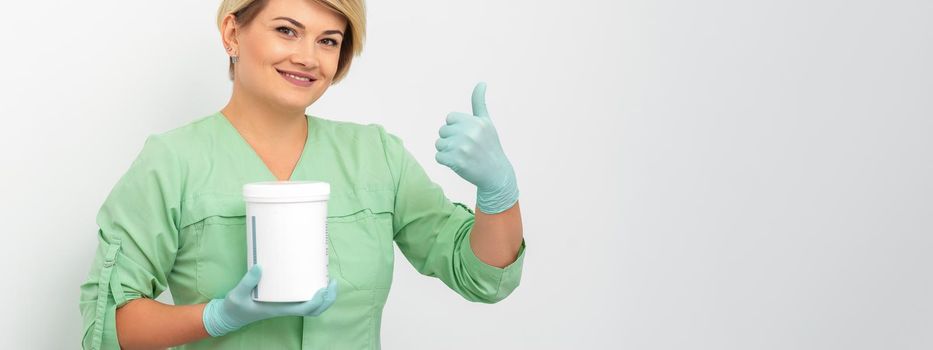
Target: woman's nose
<point>306,55</point>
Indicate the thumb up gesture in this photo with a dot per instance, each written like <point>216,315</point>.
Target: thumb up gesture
<point>469,145</point>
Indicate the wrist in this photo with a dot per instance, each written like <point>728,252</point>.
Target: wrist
<point>214,321</point>
<point>494,200</point>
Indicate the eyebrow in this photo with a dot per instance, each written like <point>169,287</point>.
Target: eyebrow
<point>302,26</point>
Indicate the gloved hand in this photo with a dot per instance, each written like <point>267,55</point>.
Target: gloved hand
<point>469,145</point>
<point>237,309</point>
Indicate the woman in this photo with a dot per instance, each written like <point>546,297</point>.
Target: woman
<point>176,217</point>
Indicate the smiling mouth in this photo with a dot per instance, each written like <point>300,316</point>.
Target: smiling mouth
<point>297,78</point>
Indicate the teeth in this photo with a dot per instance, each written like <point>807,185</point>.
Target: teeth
<point>297,77</point>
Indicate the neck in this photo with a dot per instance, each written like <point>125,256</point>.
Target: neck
<point>263,123</point>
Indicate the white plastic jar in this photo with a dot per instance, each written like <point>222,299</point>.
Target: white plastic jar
<point>286,233</point>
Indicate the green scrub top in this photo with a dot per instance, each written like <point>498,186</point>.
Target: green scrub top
<point>176,219</point>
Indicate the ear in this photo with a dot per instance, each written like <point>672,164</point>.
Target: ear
<point>228,33</point>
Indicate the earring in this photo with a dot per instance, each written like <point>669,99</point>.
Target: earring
<point>234,59</point>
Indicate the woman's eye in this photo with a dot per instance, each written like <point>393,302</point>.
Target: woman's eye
<point>286,30</point>
<point>331,42</point>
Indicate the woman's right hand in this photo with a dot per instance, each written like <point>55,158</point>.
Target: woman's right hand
<point>238,308</point>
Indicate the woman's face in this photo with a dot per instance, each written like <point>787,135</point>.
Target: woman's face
<point>297,37</point>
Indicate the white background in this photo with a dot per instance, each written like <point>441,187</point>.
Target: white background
<point>693,174</point>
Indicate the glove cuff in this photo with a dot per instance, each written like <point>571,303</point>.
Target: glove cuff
<point>213,319</point>
<point>494,201</point>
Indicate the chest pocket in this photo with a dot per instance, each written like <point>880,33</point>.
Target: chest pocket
<point>218,224</point>
<point>359,241</point>
<point>359,232</point>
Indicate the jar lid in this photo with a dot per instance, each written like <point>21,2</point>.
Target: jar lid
<point>286,191</point>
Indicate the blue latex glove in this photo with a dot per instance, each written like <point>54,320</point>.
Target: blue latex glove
<point>237,309</point>
<point>469,145</point>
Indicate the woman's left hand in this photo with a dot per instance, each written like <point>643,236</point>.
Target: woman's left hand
<point>469,145</point>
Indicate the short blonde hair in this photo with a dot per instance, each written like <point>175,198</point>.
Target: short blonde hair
<point>354,11</point>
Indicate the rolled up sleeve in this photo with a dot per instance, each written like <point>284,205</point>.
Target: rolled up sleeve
<point>434,233</point>
<point>137,242</point>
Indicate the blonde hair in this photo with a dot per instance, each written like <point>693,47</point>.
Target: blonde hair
<point>354,11</point>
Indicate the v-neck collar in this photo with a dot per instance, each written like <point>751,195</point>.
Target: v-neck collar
<point>255,156</point>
